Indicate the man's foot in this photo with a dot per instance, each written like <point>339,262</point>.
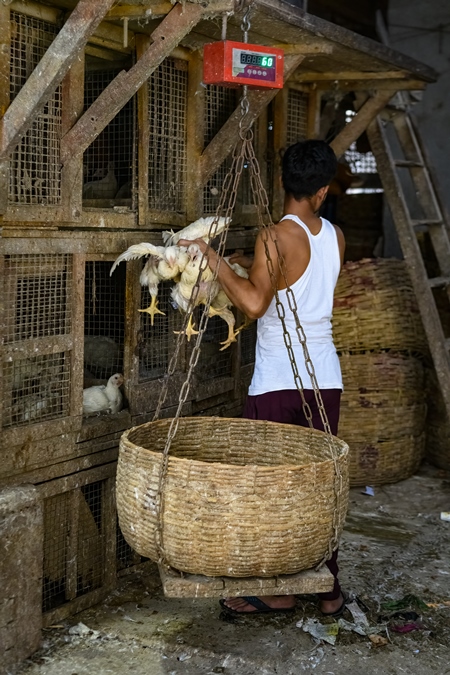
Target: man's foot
<point>333,607</point>
<point>261,605</point>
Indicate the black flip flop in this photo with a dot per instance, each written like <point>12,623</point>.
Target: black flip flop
<point>339,612</point>
<point>260,607</point>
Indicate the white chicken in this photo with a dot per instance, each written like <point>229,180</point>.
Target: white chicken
<point>164,264</point>
<point>102,397</point>
<point>199,229</point>
<point>105,188</point>
<point>182,291</point>
<point>221,303</point>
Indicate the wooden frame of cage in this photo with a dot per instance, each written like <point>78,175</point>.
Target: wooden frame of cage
<point>72,485</point>
<point>47,448</point>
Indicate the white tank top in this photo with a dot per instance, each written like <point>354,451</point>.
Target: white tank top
<point>313,292</point>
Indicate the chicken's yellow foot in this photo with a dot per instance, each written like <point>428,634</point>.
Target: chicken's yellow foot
<point>231,338</point>
<point>190,330</point>
<point>152,310</point>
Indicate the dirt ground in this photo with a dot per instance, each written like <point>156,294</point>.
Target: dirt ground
<point>394,545</point>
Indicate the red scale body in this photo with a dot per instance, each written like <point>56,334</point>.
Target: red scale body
<point>233,64</point>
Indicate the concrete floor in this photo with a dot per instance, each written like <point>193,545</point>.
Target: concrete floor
<point>394,544</point>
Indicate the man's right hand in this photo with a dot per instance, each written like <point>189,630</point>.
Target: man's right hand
<point>241,259</point>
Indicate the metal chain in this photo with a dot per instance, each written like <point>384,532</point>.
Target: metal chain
<point>267,231</point>
<point>229,195</point>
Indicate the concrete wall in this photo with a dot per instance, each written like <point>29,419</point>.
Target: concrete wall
<point>422,30</point>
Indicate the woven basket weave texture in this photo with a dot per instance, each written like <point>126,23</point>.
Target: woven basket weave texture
<point>438,426</point>
<point>375,309</point>
<point>383,416</point>
<point>241,497</point>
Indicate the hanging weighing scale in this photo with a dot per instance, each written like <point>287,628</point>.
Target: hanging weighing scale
<point>233,64</point>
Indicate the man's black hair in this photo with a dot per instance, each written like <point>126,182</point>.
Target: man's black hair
<point>307,167</point>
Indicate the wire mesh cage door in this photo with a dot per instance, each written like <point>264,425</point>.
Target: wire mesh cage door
<point>37,340</point>
<point>35,168</point>
<point>110,162</point>
<point>79,541</point>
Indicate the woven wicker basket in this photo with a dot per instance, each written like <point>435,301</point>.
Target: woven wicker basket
<point>437,424</point>
<point>241,497</point>
<point>383,415</point>
<point>375,309</point>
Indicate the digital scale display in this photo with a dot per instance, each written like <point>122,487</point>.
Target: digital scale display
<point>253,65</point>
<point>232,64</point>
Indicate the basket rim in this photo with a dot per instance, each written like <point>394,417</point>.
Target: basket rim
<point>342,444</point>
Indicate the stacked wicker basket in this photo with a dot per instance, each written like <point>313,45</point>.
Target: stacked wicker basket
<point>380,339</point>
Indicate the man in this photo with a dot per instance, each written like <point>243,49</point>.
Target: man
<point>313,251</point>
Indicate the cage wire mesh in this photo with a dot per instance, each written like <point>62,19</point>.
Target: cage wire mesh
<point>126,557</point>
<point>156,343</point>
<point>168,130</point>
<point>359,162</point>
<point>90,549</point>
<point>248,344</point>
<point>110,162</point>
<point>35,173</point>
<point>73,525</point>
<point>104,321</point>
<point>36,294</point>
<point>220,102</point>
<point>297,117</point>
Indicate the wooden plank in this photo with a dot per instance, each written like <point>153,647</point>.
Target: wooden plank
<point>75,498</point>
<point>108,529</point>
<point>58,469</point>
<point>76,354</point>
<point>198,586</point>
<point>413,256</point>
<point>72,109</point>
<point>314,113</point>
<point>5,48</point>
<point>195,137</point>
<point>132,330</point>
<point>142,44</point>
<point>279,145</point>
<point>140,11</point>
<point>314,76</point>
<point>77,480</point>
<point>278,11</point>
<point>57,615</point>
<point>166,36</point>
<point>50,71</point>
<point>225,140</point>
<point>353,130</point>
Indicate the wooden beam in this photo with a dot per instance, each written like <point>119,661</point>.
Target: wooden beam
<point>166,37</point>
<point>315,76</point>
<point>155,11</point>
<point>225,140</point>
<point>50,71</point>
<point>142,44</point>
<point>360,122</point>
<point>195,136</point>
<point>5,49</point>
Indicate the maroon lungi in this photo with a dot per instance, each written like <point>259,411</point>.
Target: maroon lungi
<point>285,406</point>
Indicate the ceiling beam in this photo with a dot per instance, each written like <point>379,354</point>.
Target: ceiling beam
<point>353,130</point>
<point>225,139</point>
<point>50,71</point>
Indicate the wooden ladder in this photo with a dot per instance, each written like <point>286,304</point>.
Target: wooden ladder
<point>416,207</point>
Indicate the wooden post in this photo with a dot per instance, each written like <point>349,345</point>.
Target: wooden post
<point>109,531</point>
<point>5,42</point>
<point>50,71</point>
<point>72,544</point>
<point>279,143</point>
<point>353,130</point>
<point>76,354</point>
<point>165,38</point>
<point>142,44</point>
<point>72,109</point>
<point>195,137</point>
<point>313,122</point>
<point>225,140</point>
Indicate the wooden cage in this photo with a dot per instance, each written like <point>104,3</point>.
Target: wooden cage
<point>118,143</point>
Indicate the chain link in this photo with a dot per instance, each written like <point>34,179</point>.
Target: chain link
<point>244,154</point>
